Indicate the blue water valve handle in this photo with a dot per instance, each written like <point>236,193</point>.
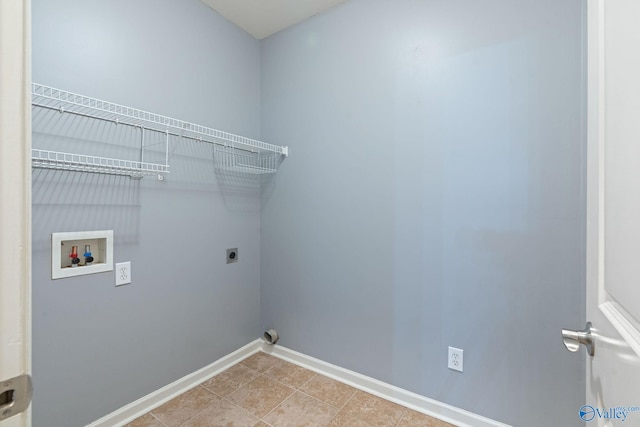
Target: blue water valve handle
<point>87,254</point>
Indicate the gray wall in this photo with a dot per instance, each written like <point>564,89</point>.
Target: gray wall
<point>97,347</point>
<point>434,197</point>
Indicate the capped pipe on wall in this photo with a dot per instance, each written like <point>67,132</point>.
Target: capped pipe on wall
<point>271,336</point>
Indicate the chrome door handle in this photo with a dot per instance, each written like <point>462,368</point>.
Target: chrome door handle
<point>573,339</point>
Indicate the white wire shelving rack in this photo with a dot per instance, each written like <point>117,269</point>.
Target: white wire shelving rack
<point>228,158</point>
<point>232,152</point>
<point>84,163</point>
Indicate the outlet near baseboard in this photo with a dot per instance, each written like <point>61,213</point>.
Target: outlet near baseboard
<point>455,359</point>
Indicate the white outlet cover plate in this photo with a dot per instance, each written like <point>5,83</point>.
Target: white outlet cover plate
<point>455,359</point>
<point>123,273</point>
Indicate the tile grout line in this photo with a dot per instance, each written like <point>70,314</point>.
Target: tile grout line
<point>315,374</point>
<point>237,388</point>
<point>279,382</point>
<point>244,410</point>
<point>223,399</point>
<point>276,407</point>
<point>338,408</point>
<point>201,411</point>
<point>405,409</point>
<point>284,400</point>
<point>345,404</point>
<point>265,375</point>
<point>298,389</point>
<point>405,412</point>
<point>216,394</point>
<point>319,400</point>
<point>255,374</point>
<point>156,418</point>
<point>263,421</point>
<point>356,391</point>
<point>401,418</point>
<point>240,407</point>
<point>308,395</point>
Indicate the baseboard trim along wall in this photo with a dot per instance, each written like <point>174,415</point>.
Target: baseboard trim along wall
<point>442,411</point>
<point>448,413</point>
<point>136,409</point>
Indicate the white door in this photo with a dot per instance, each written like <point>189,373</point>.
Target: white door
<point>613,213</point>
<point>15,212</point>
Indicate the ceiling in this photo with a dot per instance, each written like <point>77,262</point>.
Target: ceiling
<point>261,18</point>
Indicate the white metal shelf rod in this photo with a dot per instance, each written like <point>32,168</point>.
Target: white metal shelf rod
<point>166,151</point>
<point>142,147</point>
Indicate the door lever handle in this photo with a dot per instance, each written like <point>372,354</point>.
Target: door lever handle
<point>573,339</point>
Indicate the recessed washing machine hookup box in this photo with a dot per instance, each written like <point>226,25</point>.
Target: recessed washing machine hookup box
<point>82,252</point>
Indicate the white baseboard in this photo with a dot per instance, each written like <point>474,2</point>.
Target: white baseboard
<point>448,413</point>
<point>130,412</point>
<point>442,411</point>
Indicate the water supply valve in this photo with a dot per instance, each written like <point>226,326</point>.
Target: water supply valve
<point>74,256</point>
<point>88,259</point>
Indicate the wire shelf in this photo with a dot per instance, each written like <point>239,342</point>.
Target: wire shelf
<point>80,162</point>
<point>48,97</point>
<point>231,159</point>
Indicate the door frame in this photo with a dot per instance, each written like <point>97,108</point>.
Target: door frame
<point>15,195</point>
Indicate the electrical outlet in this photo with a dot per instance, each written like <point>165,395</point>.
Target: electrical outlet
<point>455,359</point>
<point>123,273</point>
<point>232,255</point>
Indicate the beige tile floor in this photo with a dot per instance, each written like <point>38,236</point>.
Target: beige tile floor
<point>263,391</point>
